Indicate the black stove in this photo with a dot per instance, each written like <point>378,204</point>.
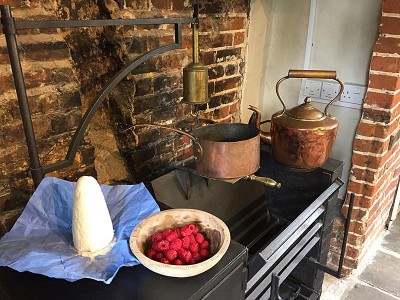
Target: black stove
<point>286,231</point>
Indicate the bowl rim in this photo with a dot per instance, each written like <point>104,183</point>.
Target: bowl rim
<point>179,270</point>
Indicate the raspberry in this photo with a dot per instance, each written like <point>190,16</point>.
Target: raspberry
<point>191,261</point>
<point>194,248</point>
<point>193,228</point>
<point>204,245</point>
<point>187,230</point>
<point>184,232</point>
<point>179,246</point>
<point>185,255</point>
<point>156,237</point>
<point>171,254</point>
<point>175,244</point>
<point>150,253</point>
<point>166,232</point>
<point>178,262</point>
<point>172,236</point>
<point>192,239</point>
<point>164,261</point>
<point>185,242</point>
<point>162,245</point>
<point>199,238</point>
<point>158,256</point>
<point>155,247</point>
<point>197,257</point>
<point>204,253</point>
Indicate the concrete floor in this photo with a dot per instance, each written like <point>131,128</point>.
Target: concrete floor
<point>378,278</point>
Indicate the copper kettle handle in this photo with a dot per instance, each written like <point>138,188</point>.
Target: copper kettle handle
<point>321,74</point>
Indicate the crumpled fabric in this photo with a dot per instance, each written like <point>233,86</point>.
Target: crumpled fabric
<point>41,239</point>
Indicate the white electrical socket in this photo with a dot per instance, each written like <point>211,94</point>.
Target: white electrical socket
<point>312,88</point>
<point>329,90</point>
<point>323,91</point>
<point>353,93</point>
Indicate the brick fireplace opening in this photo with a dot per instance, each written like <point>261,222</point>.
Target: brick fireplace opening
<point>374,176</point>
<point>65,69</point>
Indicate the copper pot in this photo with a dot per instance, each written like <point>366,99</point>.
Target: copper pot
<point>226,151</point>
<point>301,137</point>
<point>229,150</point>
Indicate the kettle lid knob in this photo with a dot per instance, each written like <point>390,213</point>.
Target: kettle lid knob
<point>307,100</point>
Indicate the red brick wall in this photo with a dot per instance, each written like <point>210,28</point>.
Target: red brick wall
<point>65,69</point>
<point>376,150</point>
<point>54,99</point>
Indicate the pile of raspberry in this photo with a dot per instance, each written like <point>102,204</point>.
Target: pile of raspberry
<point>180,246</point>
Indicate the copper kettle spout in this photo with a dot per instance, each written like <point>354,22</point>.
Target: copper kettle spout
<point>255,120</point>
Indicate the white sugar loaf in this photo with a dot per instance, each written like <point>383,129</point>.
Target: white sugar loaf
<point>92,228</point>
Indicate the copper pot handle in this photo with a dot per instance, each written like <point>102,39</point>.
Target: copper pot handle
<point>268,182</point>
<point>194,140</point>
<point>321,74</point>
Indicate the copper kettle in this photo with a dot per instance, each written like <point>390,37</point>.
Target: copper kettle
<point>301,137</point>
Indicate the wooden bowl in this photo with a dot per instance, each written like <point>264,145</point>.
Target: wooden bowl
<point>215,230</point>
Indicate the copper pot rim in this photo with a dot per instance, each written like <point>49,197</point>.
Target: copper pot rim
<point>226,133</point>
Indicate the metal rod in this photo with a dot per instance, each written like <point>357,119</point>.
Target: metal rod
<point>98,23</point>
<point>195,35</point>
<point>338,273</point>
<point>10,33</point>
<point>345,234</point>
<point>178,34</point>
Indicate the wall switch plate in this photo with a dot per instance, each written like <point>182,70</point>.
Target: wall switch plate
<point>329,90</point>
<point>312,88</point>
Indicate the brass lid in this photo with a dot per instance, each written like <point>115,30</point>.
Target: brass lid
<point>305,111</point>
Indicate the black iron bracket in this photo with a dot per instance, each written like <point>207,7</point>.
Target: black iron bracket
<point>337,273</point>
<point>10,27</point>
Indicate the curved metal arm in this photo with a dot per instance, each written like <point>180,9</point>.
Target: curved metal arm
<point>73,148</point>
<point>9,28</point>
<point>194,140</point>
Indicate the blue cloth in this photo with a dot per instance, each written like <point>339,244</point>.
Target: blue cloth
<point>41,239</point>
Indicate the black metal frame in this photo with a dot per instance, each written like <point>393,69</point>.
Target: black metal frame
<point>10,27</point>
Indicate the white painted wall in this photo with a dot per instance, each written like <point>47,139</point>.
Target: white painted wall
<point>281,46</point>
<point>344,34</point>
<point>260,17</point>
